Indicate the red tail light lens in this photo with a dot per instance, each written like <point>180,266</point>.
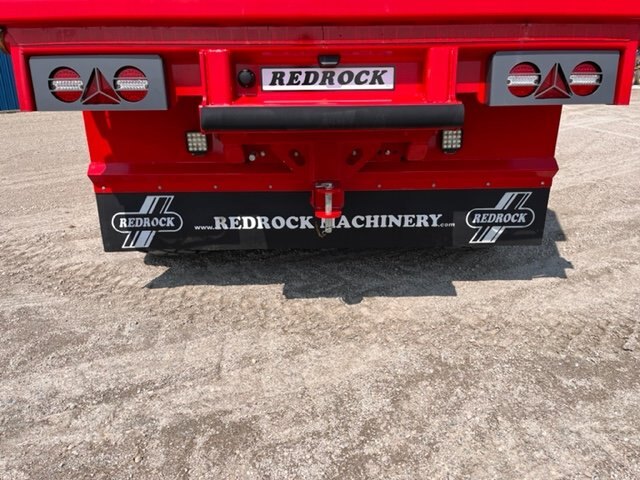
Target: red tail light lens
<point>131,84</point>
<point>523,79</point>
<point>585,79</point>
<point>66,85</point>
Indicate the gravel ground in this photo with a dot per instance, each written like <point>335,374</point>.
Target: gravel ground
<point>515,362</point>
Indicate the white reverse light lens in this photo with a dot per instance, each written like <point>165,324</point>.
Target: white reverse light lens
<point>197,142</point>
<point>451,140</point>
<point>132,84</point>
<point>67,85</point>
<point>522,80</point>
<point>585,79</point>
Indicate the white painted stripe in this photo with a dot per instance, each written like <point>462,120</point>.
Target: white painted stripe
<point>166,203</point>
<point>143,239</point>
<point>130,241</point>
<point>154,205</point>
<point>480,234</point>
<point>490,236</point>
<point>505,201</point>
<point>146,206</point>
<point>495,234</point>
<point>524,197</point>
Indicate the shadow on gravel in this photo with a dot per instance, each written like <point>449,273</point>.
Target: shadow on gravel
<point>355,274</point>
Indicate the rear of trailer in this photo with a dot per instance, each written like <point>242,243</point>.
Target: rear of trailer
<point>251,124</point>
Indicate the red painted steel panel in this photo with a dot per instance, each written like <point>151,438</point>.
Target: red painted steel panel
<point>258,45</point>
<point>80,12</point>
<point>502,147</point>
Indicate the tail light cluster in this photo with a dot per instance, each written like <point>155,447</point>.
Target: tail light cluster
<point>129,84</point>
<point>99,83</point>
<point>531,78</point>
<point>525,79</point>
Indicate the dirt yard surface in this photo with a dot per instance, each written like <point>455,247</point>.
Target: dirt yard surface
<point>518,363</point>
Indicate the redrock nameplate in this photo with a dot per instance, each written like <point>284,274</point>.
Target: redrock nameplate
<point>343,78</point>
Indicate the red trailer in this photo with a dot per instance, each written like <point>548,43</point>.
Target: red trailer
<point>251,124</point>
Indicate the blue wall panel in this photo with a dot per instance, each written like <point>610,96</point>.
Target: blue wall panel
<point>8,96</point>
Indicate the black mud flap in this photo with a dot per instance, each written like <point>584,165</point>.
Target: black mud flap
<point>257,220</point>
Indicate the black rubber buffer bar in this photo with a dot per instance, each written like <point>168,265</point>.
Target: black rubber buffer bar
<point>331,118</point>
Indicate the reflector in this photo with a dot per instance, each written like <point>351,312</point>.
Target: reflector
<point>98,91</point>
<point>554,85</point>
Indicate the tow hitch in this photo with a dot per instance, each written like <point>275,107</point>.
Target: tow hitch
<point>327,200</point>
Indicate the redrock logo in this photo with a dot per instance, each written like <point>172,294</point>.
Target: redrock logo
<point>142,226</point>
<point>508,213</point>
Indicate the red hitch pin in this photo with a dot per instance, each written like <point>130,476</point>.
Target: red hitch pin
<point>327,201</point>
